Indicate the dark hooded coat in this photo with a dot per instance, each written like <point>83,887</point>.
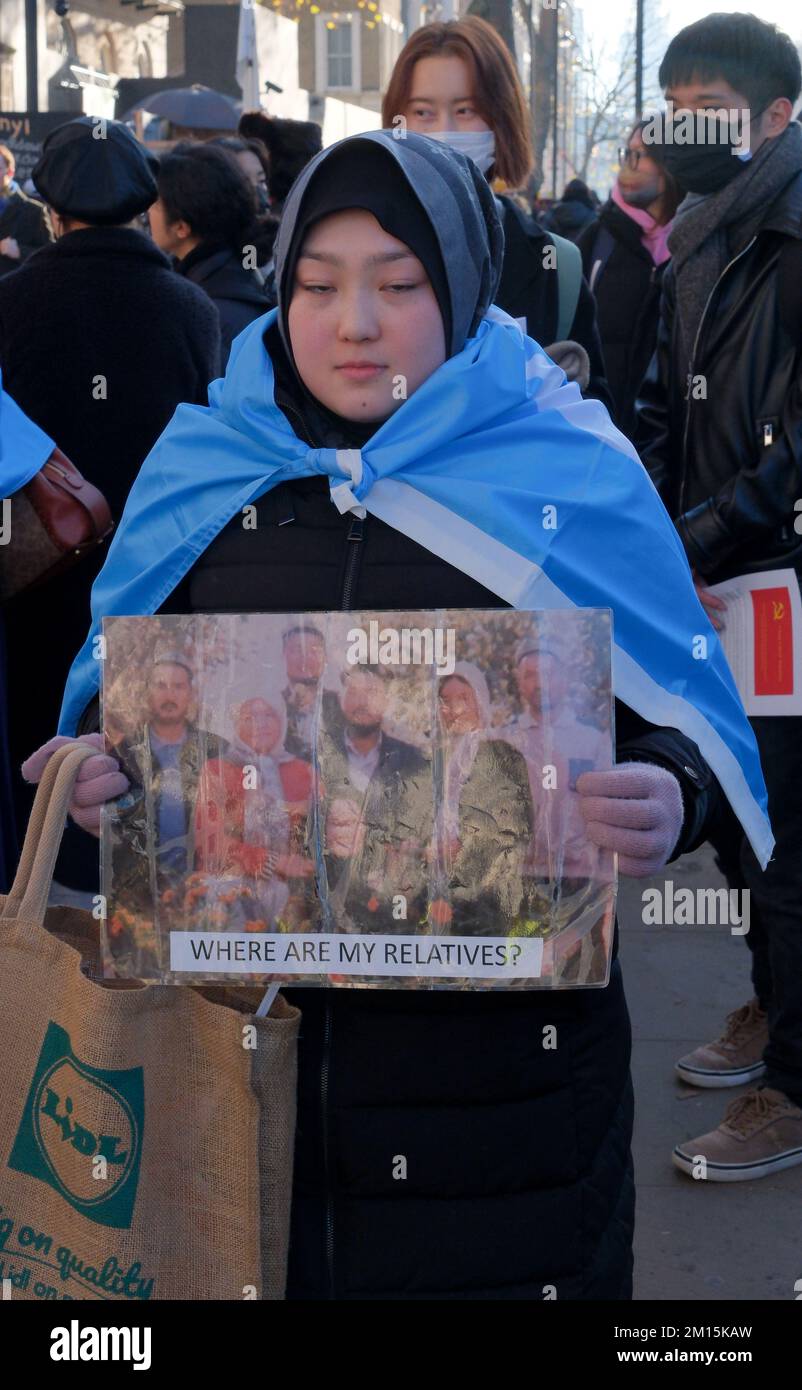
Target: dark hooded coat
<point>99,300</point>
<point>237,294</point>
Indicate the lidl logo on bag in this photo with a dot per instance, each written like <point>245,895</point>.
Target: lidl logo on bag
<point>74,1116</point>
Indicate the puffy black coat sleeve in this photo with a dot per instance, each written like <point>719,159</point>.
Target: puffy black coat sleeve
<point>653,427</point>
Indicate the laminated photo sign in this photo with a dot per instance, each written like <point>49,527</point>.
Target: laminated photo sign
<point>383,799</point>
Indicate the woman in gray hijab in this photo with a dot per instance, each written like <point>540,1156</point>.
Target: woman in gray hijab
<point>484,822</point>
<point>516,1153</point>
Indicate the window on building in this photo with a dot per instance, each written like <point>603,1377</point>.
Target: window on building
<point>339,52</point>
<point>6,78</point>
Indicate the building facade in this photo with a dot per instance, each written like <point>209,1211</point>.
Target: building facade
<point>91,45</point>
<point>348,51</point>
<point>101,57</point>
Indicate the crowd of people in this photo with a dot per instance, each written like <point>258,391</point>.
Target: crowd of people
<point>668,321</point>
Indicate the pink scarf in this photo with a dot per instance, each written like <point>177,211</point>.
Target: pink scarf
<point>653,237</point>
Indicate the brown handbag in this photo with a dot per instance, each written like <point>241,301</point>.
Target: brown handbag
<point>55,519</point>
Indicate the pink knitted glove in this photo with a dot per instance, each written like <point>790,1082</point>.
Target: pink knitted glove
<point>636,809</point>
<point>99,779</point>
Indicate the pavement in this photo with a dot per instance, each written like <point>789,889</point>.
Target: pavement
<point>695,1239</point>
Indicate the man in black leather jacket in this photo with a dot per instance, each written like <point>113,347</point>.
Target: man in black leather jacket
<point>720,431</point>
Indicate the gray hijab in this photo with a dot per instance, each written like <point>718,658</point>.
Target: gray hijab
<point>456,200</point>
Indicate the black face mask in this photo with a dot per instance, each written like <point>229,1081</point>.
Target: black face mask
<point>701,167</point>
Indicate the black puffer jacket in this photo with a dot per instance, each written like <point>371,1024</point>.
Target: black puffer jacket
<point>627,294</point>
<point>517,1156</point>
<point>729,465</point>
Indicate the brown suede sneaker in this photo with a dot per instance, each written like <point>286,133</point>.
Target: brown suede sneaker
<point>735,1057</point>
<point>761,1132</point>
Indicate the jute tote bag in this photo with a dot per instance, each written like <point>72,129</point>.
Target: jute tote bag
<point>134,1119</point>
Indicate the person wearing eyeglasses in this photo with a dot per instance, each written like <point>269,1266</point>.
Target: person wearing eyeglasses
<point>624,256</point>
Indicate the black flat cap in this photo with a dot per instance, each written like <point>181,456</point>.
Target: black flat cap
<point>96,171</point>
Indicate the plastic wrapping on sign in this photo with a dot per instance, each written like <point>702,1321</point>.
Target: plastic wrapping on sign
<point>358,799</point>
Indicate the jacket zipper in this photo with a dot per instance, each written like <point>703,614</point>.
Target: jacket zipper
<point>355,535</point>
<point>353,539</point>
<point>692,364</point>
<point>324,1102</point>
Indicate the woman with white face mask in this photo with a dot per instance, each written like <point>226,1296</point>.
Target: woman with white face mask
<point>457,83</point>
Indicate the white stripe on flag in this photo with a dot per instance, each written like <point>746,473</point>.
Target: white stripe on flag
<point>523,584</point>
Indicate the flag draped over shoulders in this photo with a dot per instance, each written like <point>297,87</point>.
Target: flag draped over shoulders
<point>24,448</point>
<point>497,465</point>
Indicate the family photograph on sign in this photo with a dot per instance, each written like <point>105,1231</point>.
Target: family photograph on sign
<point>358,798</point>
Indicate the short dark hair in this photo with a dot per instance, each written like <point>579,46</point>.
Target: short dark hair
<point>754,57</point>
<point>172,659</point>
<point>577,191</point>
<point>367,668</point>
<point>290,146</point>
<point>237,144</point>
<point>303,630</point>
<point>202,185</point>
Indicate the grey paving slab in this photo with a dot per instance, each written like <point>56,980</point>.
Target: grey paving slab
<point>682,985</point>
<point>706,1241</point>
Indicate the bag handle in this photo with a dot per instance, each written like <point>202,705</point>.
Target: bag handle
<point>569,284</point>
<point>34,877</point>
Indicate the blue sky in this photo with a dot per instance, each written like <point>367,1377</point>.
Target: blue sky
<point>606,20</point>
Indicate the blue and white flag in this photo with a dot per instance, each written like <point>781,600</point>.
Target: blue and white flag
<point>24,448</point>
<point>497,465</point>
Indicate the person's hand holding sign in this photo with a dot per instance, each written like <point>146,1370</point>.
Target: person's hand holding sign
<point>99,780</point>
<point>636,810</point>
<point>713,604</point>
